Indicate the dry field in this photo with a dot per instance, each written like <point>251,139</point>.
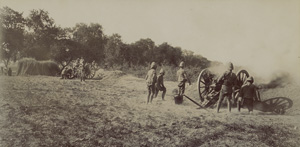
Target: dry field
<point>47,111</point>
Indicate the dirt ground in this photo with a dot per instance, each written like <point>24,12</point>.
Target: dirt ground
<point>48,111</point>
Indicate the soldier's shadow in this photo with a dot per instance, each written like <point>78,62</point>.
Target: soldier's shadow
<point>277,105</point>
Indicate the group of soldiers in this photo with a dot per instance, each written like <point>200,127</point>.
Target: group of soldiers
<point>228,80</point>
<point>156,83</point>
<point>247,94</point>
<point>78,67</point>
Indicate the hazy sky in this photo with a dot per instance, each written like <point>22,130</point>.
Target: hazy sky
<point>263,35</point>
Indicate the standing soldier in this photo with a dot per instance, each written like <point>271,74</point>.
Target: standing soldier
<point>247,95</point>
<point>151,80</point>
<point>160,84</point>
<point>182,78</point>
<point>229,81</point>
<point>81,69</point>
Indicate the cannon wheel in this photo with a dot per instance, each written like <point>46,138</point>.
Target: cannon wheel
<point>279,104</point>
<point>205,80</point>
<point>72,74</point>
<point>242,76</point>
<point>91,74</point>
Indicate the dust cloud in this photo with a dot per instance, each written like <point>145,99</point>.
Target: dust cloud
<point>267,75</point>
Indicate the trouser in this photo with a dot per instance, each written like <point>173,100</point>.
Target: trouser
<point>181,88</point>
<point>82,76</point>
<point>151,92</point>
<point>221,97</point>
<point>249,103</point>
<point>163,89</point>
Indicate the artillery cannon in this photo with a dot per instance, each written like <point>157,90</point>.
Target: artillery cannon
<point>209,90</point>
<point>89,70</point>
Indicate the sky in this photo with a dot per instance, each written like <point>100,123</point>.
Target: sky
<point>262,35</point>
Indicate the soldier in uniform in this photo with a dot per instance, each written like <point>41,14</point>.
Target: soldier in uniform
<point>182,79</point>
<point>229,81</point>
<point>160,84</point>
<point>64,73</point>
<point>150,81</point>
<point>81,69</point>
<point>247,95</point>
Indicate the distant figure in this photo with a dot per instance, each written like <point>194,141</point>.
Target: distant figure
<point>182,79</point>
<point>81,69</point>
<point>160,84</point>
<point>247,95</point>
<point>9,72</point>
<point>64,73</point>
<point>2,70</point>
<point>82,73</point>
<point>229,81</point>
<point>150,81</point>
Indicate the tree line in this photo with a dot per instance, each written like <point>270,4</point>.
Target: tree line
<point>37,36</point>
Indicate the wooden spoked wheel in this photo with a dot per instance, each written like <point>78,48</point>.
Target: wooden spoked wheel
<point>279,104</point>
<point>242,76</point>
<point>205,84</point>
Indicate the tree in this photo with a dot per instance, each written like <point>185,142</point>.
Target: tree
<point>92,41</point>
<point>12,34</point>
<point>126,54</point>
<point>64,51</point>
<point>166,54</point>
<point>113,49</point>
<point>42,33</point>
<point>143,51</point>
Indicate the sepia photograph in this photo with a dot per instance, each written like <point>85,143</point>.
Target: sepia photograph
<point>163,73</point>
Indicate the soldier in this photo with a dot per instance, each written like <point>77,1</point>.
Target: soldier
<point>64,73</point>
<point>182,78</point>
<point>247,95</point>
<point>160,84</point>
<point>150,81</point>
<point>82,73</point>
<point>81,69</point>
<point>229,81</point>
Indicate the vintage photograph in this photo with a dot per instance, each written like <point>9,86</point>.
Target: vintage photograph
<point>163,73</point>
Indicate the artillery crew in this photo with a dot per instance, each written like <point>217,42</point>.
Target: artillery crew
<point>229,81</point>
<point>150,81</point>
<point>182,78</point>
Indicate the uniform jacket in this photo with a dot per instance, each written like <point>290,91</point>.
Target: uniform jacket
<point>228,80</point>
<point>151,77</point>
<point>182,76</point>
<point>160,81</point>
<point>248,91</point>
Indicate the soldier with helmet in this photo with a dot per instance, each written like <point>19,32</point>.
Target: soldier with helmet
<point>182,78</point>
<point>247,95</point>
<point>228,81</point>
<point>160,84</point>
<point>150,81</point>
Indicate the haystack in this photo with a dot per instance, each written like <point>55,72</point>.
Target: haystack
<point>29,66</point>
